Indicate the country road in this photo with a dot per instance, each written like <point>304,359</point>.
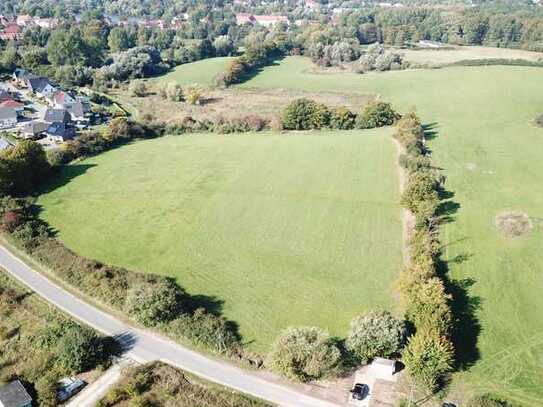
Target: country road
<point>147,347</point>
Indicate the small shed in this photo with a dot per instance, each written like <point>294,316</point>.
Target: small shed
<point>383,368</point>
<point>14,395</point>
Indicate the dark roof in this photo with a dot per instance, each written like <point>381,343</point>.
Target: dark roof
<point>7,113</point>
<point>34,127</point>
<point>78,109</point>
<point>61,130</point>
<point>38,83</point>
<point>14,395</point>
<point>57,115</point>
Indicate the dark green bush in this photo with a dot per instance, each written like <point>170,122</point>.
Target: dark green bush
<point>487,400</point>
<point>154,303</point>
<point>376,114</point>
<point>342,119</point>
<point>300,114</point>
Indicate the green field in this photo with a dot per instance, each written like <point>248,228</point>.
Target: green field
<point>294,229</point>
<point>492,157</point>
<point>201,72</point>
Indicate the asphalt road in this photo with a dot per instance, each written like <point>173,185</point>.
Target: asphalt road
<point>147,347</point>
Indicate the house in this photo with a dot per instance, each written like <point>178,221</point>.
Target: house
<point>3,20</point>
<point>4,144</point>
<point>11,32</point>
<point>57,116</point>
<point>20,76</point>
<point>243,18</point>
<point>269,20</point>
<point>383,368</point>
<point>62,99</point>
<point>60,132</point>
<point>24,20</point>
<point>8,117</point>
<point>40,86</point>
<point>19,107</point>
<point>33,129</point>
<point>14,395</point>
<point>4,95</point>
<point>48,23</point>
<point>79,110</point>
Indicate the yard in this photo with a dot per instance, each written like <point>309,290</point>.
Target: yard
<point>281,229</point>
<point>490,151</point>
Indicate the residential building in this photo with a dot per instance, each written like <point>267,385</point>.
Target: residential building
<point>79,110</point>
<point>24,20</point>
<point>33,129</point>
<point>4,95</point>
<point>14,395</point>
<point>48,23</point>
<point>243,18</point>
<point>57,116</point>
<point>41,86</point>
<point>60,132</point>
<point>62,99</point>
<point>4,144</point>
<point>19,107</point>
<point>269,20</point>
<point>20,76</point>
<point>11,32</point>
<point>8,117</point>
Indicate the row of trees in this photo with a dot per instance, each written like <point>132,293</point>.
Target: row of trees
<point>429,353</point>
<point>306,114</point>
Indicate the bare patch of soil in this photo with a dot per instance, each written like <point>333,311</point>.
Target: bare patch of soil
<point>513,224</point>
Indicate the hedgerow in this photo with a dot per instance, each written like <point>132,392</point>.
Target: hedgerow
<point>429,352</point>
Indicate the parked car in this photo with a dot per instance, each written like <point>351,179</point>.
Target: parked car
<point>360,391</point>
<point>69,386</point>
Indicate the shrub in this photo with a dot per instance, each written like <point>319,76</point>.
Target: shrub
<point>57,157</point>
<point>234,71</point>
<point>300,114</point>
<point>152,304</point>
<point>194,95</point>
<point>376,114</point>
<point>342,119</point>
<point>138,88</point>
<point>171,91</point>
<point>117,129</point>
<point>539,120</point>
<point>11,220</point>
<point>428,356</point>
<point>375,334</point>
<point>486,400</point>
<point>205,329</point>
<point>321,116</point>
<point>304,354</point>
<point>420,195</point>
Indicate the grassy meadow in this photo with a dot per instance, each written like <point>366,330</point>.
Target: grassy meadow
<point>201,72</point>
<point>490,152</point>
<point>283,229</point>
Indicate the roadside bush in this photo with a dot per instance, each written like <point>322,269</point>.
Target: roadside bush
<point>304,354</point>
<point>152,304</point>
<point>342,119</point>
<point>376,114</point>
<point>300,114</point>
<point>375,334</point>
<point>205,329</point>
<point>428,357</point>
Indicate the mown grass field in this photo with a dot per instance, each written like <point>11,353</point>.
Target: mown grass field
<point>201,72</point>
<point>285,229</point>
<point>491,154</point>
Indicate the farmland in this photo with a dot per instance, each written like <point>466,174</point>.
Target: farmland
<point>283,229</point>
<point>490,151</point>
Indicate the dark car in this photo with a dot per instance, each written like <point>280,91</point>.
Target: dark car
<point>359,391</point>
<point>447,404</point>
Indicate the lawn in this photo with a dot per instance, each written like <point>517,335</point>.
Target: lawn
<point>285,229</point>
<point>491,154</point>
<point>201,72</point>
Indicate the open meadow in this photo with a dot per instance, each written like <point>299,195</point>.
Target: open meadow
<point>282,229</point>
<point>490,152</point>
<point>201,72</point>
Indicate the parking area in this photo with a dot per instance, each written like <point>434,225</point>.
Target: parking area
<point>380,384</point>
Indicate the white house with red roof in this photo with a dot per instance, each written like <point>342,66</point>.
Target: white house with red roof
<point>265,20</point>
<point>10,103</point>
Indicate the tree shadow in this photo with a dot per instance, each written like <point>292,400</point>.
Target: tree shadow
<point>66,174</point>
<point>251,73</point>
<point>211,304</point>
<point>430,130</point>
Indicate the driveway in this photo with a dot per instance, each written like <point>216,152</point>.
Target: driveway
<point>146,346</point>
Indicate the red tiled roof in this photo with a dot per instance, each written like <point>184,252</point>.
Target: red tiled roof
<point>11,103</point>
